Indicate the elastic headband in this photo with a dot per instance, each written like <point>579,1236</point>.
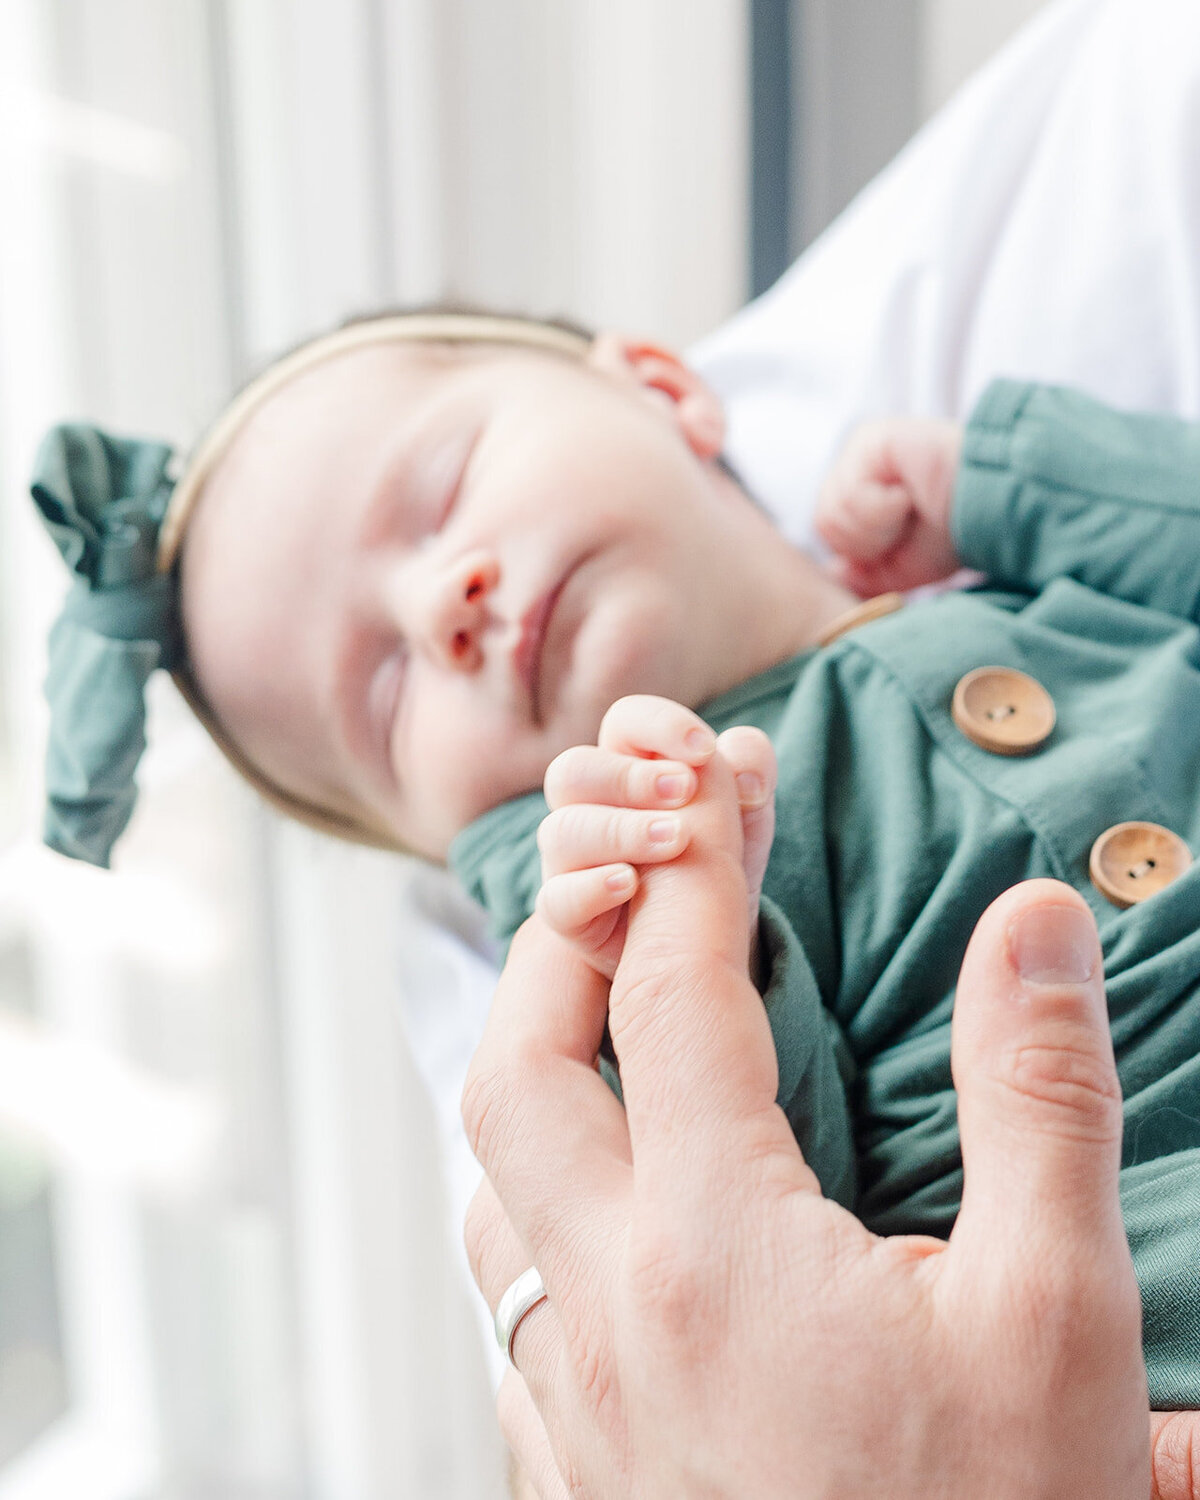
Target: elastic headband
<point>427,328</point>
<point>118,517</point>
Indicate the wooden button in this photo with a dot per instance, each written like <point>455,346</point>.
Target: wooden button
<point>1130,861</point>
<point>1003,710</point>
<point>861,614</point>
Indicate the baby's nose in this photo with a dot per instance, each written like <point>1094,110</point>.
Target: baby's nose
<point>460,611</point>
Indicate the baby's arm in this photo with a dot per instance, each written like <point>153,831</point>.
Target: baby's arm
<point>622,803</point>
<point>885,506</point>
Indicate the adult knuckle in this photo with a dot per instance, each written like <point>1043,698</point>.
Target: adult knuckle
<point>1175,1458</point>
<point>1104,1310</point>
<point>1074,1087</point>
<point>575,1481</point>
<point>670,1288</point>
<point>639,1013</point>
<point>483,1109</point>
<point>1076,1315</point>
<point>595,1376</point>
<point>481,1234</point>
<point>663,977</point>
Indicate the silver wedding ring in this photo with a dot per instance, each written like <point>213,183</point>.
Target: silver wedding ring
<point>518,1301</point>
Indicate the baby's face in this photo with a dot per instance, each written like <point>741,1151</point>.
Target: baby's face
<point>420,574</point>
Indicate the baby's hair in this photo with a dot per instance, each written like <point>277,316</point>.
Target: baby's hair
<point>442,323</point>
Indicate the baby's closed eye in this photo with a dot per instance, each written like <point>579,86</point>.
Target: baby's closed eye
<point>442,481</point>
<point>383,699</point>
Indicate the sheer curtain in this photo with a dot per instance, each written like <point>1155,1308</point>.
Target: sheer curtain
<point>225,1269</point>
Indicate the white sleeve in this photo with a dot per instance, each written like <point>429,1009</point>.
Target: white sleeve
<point>1045,224</point>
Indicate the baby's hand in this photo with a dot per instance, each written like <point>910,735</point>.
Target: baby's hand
<point>623,803</point>
<point>885,507</point>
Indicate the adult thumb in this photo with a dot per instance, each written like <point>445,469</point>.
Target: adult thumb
<point>1039,1104</point>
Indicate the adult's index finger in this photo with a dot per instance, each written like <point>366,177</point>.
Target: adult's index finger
<point>692,1039</point>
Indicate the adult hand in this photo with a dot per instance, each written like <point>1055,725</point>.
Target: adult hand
<point>715,1326</point>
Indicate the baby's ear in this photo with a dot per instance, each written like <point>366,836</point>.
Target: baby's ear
<point>694,405</point>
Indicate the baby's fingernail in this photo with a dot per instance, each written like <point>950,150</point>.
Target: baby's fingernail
<point>664,830</point>
<point>701,741</point>
<point>751,789</point>
<point>619,881</point>
<point>671,788</point>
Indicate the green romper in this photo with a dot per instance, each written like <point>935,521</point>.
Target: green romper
<point>895,829</point>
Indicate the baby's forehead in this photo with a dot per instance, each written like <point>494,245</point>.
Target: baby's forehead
<point>321,437</point>
<point>314,443</point>
<point>331,403</point>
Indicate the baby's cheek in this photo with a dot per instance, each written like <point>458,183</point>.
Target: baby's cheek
<point>454,770</point>
<point>630,643</point>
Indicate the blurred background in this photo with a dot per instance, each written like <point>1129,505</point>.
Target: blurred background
<point>226,1266</point>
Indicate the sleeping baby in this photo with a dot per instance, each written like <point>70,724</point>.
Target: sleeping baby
<point>427,562</point>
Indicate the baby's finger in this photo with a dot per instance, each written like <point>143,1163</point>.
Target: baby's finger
<point>571,902</point>
<point>921,559</point>
<point>751,758</point>
<point>645,725</point>
<point>579,836</point>
<point>864,519</point>
<point>585,773</point>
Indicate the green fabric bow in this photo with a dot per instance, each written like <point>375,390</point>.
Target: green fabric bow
<point>103,500</point>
